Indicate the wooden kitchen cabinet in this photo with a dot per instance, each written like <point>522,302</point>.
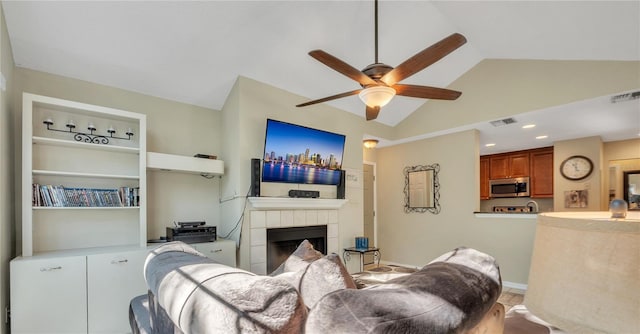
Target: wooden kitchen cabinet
<point>541,169</point>
<point>508,165</point>
<point>484,178</point>
<point>537,164</point>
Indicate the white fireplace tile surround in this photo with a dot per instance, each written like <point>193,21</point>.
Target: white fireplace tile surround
<point>268,213</point>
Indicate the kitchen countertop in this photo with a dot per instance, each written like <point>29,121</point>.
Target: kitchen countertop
<point>517,215</point>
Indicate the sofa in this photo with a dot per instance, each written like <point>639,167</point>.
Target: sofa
<point>313,293</point>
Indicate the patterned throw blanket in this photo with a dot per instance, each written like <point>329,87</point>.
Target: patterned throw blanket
<point>380,274</point>
<point>449,295</point>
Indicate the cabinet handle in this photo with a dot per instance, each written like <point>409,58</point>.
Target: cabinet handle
<point>216,250</point>
<point>50,268</point>
<point>119,261</point>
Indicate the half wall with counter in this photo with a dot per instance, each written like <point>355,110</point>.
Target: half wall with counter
<point>584,272</point>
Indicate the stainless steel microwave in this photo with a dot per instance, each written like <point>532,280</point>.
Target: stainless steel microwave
<point>513,187</point>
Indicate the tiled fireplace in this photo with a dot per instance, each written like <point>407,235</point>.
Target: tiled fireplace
<point>278,213</point>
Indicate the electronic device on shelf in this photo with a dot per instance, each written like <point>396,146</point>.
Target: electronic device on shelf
<point>191,232</point>
<point>205,156</point>
<point>190,224</point>
<point>304,193</point>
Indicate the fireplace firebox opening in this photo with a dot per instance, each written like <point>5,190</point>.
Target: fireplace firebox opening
<point>282,242</point>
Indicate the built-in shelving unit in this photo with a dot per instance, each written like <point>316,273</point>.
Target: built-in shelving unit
<point>82,257</point>
<point>54,154</point>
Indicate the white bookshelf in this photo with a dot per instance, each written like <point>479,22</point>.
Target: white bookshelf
<point>56,158</point>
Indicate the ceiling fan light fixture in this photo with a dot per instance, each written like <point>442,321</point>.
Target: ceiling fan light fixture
<point>377,96</point>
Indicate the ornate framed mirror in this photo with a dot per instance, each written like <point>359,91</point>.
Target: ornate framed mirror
<point>422,189</point>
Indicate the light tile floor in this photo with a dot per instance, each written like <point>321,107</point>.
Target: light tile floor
<point>510,297</point>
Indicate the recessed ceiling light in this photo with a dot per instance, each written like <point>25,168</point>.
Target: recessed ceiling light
<point>541,137</point>
<point>489,145</point>
<point>528,126</point>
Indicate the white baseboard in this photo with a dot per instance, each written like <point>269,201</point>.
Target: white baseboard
<point>513,285</point>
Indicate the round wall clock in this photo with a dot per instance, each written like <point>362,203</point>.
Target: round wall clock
<point>576,167</point>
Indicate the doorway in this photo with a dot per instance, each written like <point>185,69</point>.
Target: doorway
<point>369,206</point>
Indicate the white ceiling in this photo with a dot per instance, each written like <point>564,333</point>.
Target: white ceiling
<point>597,116</point>
<point>192,52</point>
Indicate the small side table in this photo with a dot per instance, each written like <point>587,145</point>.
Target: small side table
<point>346,255</point>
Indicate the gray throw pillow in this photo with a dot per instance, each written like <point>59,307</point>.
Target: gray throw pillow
<point>299,259</point>
<point>313,274</point>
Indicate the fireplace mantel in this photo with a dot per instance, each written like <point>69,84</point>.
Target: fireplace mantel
<point>287,203</point>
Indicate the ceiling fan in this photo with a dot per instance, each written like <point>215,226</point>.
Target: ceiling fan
<point>380,81</point>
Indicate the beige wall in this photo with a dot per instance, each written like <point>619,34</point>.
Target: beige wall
<point>417,238</point>
<point>369,154</point>
<point>622,149</point>
<point>6,169</point>
<point>244,117</point>
<point>232,206</point>
<point>173,127</point>
<point>590,147</point>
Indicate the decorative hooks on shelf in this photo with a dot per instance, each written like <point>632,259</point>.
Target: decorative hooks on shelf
<point>90,137</point>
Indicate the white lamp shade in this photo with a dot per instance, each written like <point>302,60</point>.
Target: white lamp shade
<point>377,96</point>
<point>583,276</point>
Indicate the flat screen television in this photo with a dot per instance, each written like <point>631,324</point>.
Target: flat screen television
<point>299,154</point>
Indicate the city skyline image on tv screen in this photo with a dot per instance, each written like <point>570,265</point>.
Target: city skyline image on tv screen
<point>299,154</point>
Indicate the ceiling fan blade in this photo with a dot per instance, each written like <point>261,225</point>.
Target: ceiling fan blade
<point>372,113</point>
<point>342,67</point>
<point>423,59</point>
<point>329,98</point>
<point>426,92</point>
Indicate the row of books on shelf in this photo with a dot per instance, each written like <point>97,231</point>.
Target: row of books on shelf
<point>59,196</point>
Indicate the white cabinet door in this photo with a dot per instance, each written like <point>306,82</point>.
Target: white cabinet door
<point>113,280</point>
<point>48,295</point>
<point>221,251</point>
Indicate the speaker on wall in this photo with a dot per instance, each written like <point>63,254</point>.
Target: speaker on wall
<point>341,186</point>
<point>255,178</point>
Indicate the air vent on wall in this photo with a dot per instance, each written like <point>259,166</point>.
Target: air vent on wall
<point>502,122</point>
<point>625,97</point>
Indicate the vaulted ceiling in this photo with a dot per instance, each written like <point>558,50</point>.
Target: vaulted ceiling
<point>192,52</point>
